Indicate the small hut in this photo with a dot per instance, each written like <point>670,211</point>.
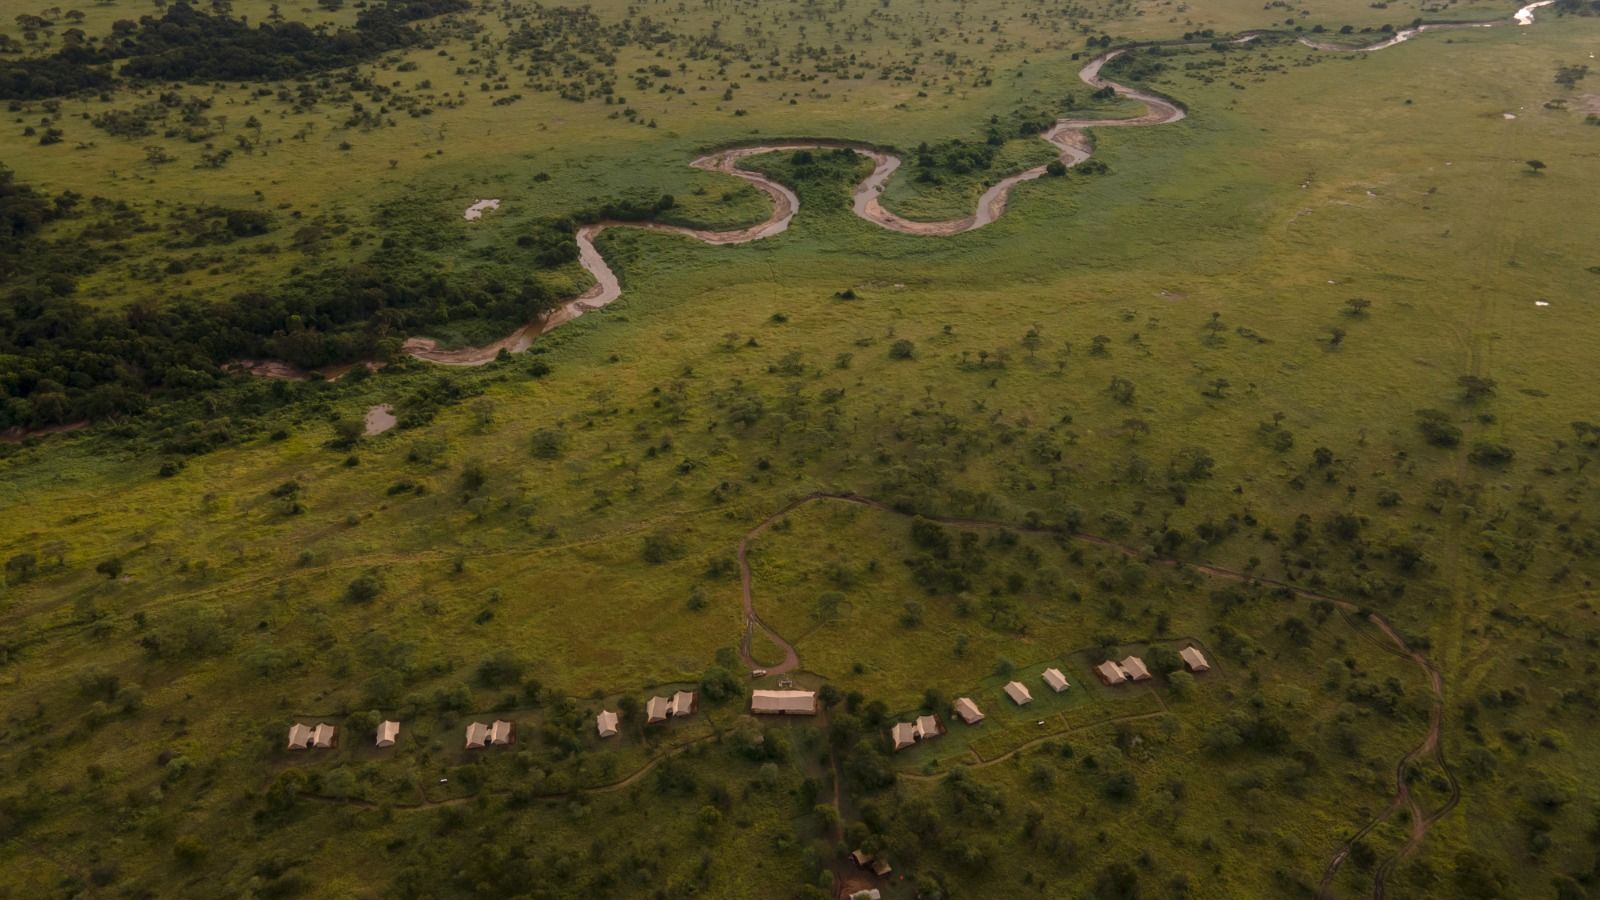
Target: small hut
<point>606,723</point>
<point>656,710</point>
<point>1136,669</point>
<point>299,736</point>
<point>1193,659</point>
<point>500,733</point>
<point>388,733</point>
<point>682,704</point>
<point>477,736</point>
<point>1018,692</point>
<point>1110,672</point>
<point>783,703</point>
<point>322,737</point>
<point>904,735</point>
<point>968,711</point>
<point>1056,680</point>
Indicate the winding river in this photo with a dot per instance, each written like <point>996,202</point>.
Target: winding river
<point>1068,136</point>
<point>1523,16</point>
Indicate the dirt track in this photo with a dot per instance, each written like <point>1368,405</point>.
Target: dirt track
<point>1387,638</point>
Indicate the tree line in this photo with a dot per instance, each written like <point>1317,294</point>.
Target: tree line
<point>186,44</point>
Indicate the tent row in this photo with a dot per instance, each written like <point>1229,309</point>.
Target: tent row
<point>1132,668</point>
<point>659,709</point>
<point>1129,669</point>
<point>906,734</point>
<point>321,737</point>
<point>1053,679</point>
<point>500,732</point>
<point>774,703</point>
<point>656,710</point>
<point>325,736</point>
<point>876,864</point>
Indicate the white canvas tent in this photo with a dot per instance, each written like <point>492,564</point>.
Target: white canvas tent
<point>1018,692</point>
<point>1136,669</point>
<point>781,703</point>
<point>388,733</point>
<point>322,737</point>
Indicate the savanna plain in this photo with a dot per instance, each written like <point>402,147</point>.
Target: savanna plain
<point>380,361</point>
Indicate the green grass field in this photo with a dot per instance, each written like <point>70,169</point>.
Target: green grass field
<point>1163,355</point>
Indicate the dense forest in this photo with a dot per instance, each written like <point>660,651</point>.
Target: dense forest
<point>187,44</point>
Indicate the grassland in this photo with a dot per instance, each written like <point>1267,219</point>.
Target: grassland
<point>547,542</point>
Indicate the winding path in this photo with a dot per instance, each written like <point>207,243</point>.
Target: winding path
<point>1430,747</point>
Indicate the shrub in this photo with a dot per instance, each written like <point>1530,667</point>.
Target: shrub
<point>548,443</point>
<point>21,567</point>
<point>189,849</point>
<point>1487,454</point>
<point>1437,429</point>
<point>500,669</point>
<point>718,685</point>
<point>364,588</point>
<point>660,548</point>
